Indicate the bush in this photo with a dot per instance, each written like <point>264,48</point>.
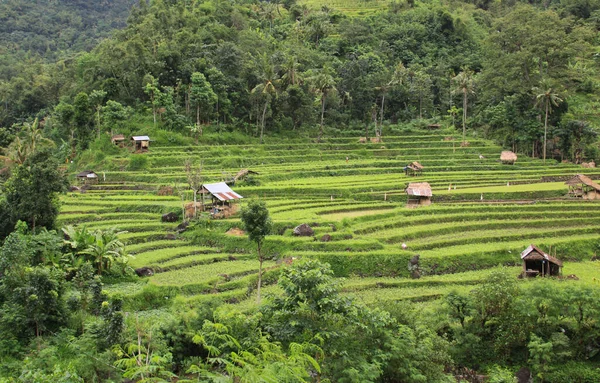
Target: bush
<point>574,372</point>
<point>137,162</point>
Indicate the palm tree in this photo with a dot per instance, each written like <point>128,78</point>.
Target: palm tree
<point>21,148</point>
<point>390,82</point>
<point>465,84</point>
<point>266,88</point>
<point>323,85</point>
<point>106,249</point>
<point>546,98</point>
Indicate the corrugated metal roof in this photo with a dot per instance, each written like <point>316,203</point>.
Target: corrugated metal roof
<point>118,137</point>
<point>140,138</point>
<point>221,191</point>
<point>419,189</point>
<point>533,248</point>
<point>87,174</point>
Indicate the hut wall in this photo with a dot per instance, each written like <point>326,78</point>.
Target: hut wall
<point>425,201</point>
<point>592,194</point>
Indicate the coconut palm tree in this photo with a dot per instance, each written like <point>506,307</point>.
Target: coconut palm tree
<point>546,98</point>
<point>322,83</point>
<point>465,84</point>
<point>396,78</point>
<point>22,147</point>
<point>266,88</point>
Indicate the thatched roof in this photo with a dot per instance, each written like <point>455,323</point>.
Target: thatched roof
<point>508,156</point>
<point>118,137</point>
<point>581,179</point>
<point>535,254</point>
<point>419,189</point>
<point>243,173</point>
<point>415,166</point>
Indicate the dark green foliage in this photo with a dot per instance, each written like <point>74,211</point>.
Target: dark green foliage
<point>31,193</point>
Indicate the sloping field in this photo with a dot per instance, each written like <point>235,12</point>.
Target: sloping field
<point>484,213</point>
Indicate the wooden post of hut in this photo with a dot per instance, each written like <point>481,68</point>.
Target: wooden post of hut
<point>537,263</point>
<point>581,186</point>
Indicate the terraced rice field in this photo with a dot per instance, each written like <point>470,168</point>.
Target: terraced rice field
<point>483,215</point>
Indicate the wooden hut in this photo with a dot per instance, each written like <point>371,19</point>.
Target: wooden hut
<point>140,143</point>
<point>508,157</point>
<point>582,186</point>
<point>118,140</point>
<point>419,194</point>
<point>222,197</point>
<point>87,177</point>
<point>434,126</point>
<point>413,169</point>
<point>538,263</point>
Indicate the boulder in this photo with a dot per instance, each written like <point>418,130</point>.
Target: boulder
<point>169,217</point>
<point>326,238</point>
<point>171,236</point>
<point>144,272</point>
<point>74,189</point>
<point>524,375</point>
<point>303,231</point>
<point>182,227</point>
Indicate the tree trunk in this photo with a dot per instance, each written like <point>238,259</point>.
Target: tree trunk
<point>545,130</point>
<point>379,134</point>
<point>260,262</point>
<point>198,118</point>
<point>195,206</point>
<point>98,120</point>
<point>262,125</point>
<point>464,114</point>
<point>322,117</point>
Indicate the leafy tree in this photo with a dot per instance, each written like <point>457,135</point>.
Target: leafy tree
<point>31,193</point>
<point>258,225</point>
<point>82,119</point>
<point>546,98</point>
<point>153,91</point>
<point>202,95</point>
<point>114,115</point>
<point>465,85</point>
<point>97,100</point>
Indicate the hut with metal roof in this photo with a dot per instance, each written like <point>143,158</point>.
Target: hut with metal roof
<point>118,140</point>
<point>419,194</point>
<point>413,169</point>
<point>537,263</point>
<point>581,186</point>
<point>508,157</point>
<point>141,143</point>
<point>87,177</point>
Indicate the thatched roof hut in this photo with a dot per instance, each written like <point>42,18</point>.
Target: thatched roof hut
<point>537,262</point>
<point>419,193</point>
<point>582,186</point>
<point>117,139</point>
<point>508,157</point>
<point>413,169</point>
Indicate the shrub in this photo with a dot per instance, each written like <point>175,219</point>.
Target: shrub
<point>137,162</point>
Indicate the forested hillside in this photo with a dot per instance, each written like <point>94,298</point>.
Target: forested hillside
<point>319,191</point>
<point>514,72</point>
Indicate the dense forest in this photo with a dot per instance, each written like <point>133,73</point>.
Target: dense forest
<point>512,71</point>
<point>522,73</point>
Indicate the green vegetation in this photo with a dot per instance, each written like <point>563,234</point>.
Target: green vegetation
<point>322,105</point>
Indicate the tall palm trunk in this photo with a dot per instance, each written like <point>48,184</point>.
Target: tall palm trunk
<point>464,114</point>
<point>262,123</point>
<point>322,117</point>
<point>545,129</point>
<point>260,263</point>
<point>198,118</point>
<point>379,134</point>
